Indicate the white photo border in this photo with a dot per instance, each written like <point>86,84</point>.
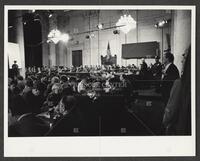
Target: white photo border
<point>136,146</point>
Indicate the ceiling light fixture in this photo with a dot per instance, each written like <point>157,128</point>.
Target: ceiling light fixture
<point>65,37</point>
<point>90,36</point>
<point>116,32</point>
<point>161,23</point>
<point>10,26</point>
<point>127,23</point>
<point>55,36</point>
<point>50,15</point>
<point>100,26</point>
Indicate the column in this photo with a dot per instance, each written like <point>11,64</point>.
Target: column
<point>45,47</point>
<point>181,37</point>
<point>20,40</point>
<point>52,46</point>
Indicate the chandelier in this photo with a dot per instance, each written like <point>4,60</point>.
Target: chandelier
<point>127,23</point>
<point>54,36</point>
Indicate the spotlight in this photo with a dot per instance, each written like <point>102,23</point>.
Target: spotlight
<point>100,26</point>
<point>24,23</point>
<point>160,24</point>
<point>92,35</point>
<point>10,26</point>
<point>50,15</point>
<point>87,36</point>
<point>116,32</point>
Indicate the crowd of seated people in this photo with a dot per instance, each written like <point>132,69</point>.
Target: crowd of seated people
<point>46,92</point>
<point>48,100</point>
<point>142,72</point>
<point>40,95</point>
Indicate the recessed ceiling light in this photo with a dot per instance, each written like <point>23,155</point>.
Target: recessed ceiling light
<point>50,15</point>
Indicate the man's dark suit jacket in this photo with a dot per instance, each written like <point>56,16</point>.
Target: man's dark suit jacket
<point>170,76</point>
<point>71,124</point>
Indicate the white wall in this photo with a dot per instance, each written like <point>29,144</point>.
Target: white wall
<point>14,54</point>
<point>78,21</point>
<point>19,35</point>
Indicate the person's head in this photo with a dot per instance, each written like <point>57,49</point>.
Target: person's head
<point>21,85</point>
<point>113,82</point>
<point>15,62</point>
<point>84,80</point>
<point>34,79</point>
<point>44,80</point>
<point>122,77</point>
<point>66,89</point>
<point>13,84</point>
<point>168,58</point>
<point>157,58</point>
<point>54,80</point>
<point>29,82</point>
<point>67,103</point>
<point>72,80</point>
<point>63,79</point>
<point>56,88</point>
<point>96,86</point>
<point>143,60</point>
<point>186,63</point>
<point>143,67</point>
<point>39,88</point>
<point>16,90</point>
<point>52,99</point>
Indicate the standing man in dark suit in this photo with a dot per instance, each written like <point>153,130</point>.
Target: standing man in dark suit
<point>157,69</point>
<point>170,74</point>
<point>15,69</point>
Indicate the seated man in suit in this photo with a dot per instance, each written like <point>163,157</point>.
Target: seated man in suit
<point>28,124</point>
<point>82,86</point>
<point>69,118</point>
<point>170,74</point>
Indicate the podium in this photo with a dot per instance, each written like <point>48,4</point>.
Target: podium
<point>112,60</point>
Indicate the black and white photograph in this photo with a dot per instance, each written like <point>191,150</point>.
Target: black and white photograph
<point>101,76</point>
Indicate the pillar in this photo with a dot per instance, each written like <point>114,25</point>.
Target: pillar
<point>52,46</point>
<point>181,37</point>
<point>20,40</point>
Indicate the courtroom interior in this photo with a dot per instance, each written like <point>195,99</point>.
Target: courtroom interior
<point>99,72</point>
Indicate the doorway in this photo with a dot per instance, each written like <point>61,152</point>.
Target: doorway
<point>77,58</point>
